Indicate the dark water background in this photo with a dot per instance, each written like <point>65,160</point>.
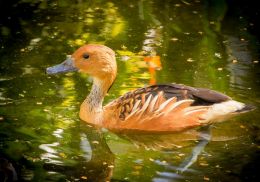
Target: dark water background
<point>213,44</point>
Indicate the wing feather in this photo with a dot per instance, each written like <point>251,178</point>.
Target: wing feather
<point>167,107</point>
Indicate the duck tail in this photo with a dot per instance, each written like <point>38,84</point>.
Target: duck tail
<point>246,108</point>
<point>225,110</point>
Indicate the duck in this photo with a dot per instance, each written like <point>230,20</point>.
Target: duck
<point>155,108</point>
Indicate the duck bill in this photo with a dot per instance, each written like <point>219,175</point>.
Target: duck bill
<point>64,67</point>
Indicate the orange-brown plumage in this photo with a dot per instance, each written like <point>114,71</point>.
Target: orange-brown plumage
<point>156,108</point>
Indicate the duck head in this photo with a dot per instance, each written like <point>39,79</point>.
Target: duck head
<point>96,60</point>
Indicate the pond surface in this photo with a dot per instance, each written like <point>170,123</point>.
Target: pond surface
<point>209,44</point>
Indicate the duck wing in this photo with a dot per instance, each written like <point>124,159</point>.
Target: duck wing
<point>201,96</point>
<point>164,107</point>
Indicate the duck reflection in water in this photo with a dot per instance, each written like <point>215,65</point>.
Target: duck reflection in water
<point>7,171</point>
<point>98,166</point>
<point>173,142</point>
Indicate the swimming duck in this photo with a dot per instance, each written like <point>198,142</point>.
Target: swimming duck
<point>156,108</point>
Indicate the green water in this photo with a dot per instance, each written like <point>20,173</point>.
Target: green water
<point>200,43</point>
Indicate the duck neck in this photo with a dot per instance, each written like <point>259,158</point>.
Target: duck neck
<point>91,109</point>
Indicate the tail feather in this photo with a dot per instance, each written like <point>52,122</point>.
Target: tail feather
<point>247,108</point>
<point>224,110</point>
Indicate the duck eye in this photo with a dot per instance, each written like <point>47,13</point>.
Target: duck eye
<point>85,56</point>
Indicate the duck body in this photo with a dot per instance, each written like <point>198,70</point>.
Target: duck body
<point>169,108</point>
<point>156,108</point>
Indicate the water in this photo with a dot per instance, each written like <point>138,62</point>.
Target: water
<point>198,43</point>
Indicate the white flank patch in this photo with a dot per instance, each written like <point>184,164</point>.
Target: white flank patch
<point>228,107</point>
<point>220,110</point>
